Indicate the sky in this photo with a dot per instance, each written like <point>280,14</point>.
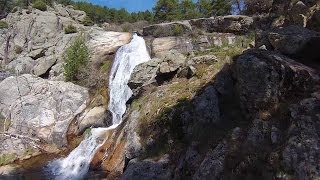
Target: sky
<point>129,5</point>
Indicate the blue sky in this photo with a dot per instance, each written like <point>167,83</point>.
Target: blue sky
<point>130,5</point>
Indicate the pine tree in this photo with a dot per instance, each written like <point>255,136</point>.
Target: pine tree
<point>221,7</point>
<point>205,8</point>
<point>167,10</point>
<point>189,10</point>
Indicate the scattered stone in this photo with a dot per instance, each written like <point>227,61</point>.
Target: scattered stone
<point>95,117</point>
<point>44,65</point>
<point>23,65</point>
<point>204,59</point>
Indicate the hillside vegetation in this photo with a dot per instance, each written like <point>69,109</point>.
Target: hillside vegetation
<point>163,11</point>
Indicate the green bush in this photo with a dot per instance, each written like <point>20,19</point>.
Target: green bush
<point>126,28</point>
<point>70,29</point>
<point>3,25</point>
<point>178,30</point>
<point>39,4</point>
<point>87,21</point>
<point>75,57</point>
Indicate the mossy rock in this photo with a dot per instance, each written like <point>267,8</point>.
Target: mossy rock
<point>7,159</point>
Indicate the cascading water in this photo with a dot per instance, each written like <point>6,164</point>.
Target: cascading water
<point>127,57</point>
<point>76,165</point>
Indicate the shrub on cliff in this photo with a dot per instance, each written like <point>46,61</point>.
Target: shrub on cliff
<point>3,25</point>
<point>39,4</point>
<point>70,29</point>
<point>75,57</point>
<point>178,30</point>
<point>87,21</point>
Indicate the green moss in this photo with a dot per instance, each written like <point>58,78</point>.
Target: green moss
<point>7,124</point>
<point>70,29</point>
<point>39,4</point>
<point>4,25</point>
<point>29,151</point>
<point>106,66</point>
<point>4,123</point>
<point>7,158</point>
<point>87,132</point>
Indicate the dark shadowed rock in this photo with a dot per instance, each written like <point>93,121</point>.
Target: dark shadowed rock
<point>314,21</point>
<point>206,106</point>
<point>291,40</point>
<point>264,77</point>
<point>213,164</point>
<point>148,169</point>
<point>301,153</point>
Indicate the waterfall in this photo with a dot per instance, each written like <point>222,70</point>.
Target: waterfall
<point>76,164</point>
<point>127,57</point>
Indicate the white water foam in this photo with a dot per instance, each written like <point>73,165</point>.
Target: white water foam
<point>77,164</point>
<point>127,57</point>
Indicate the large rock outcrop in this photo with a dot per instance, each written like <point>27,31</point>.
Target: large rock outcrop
<point>265,77</point>
<point>264,92</point>
<point>224,24</point>
<point>294,41</point>
<point>35,112</point>
<point>269,84</point>
<point>168,29</point>
<point>38,35</point>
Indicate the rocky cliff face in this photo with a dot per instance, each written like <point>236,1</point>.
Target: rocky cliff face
<point>249,121</point>
<point>39,112</point>
<point>211,104</point>
<point>208,117</point>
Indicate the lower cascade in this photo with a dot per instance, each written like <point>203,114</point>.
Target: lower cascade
<point>76,164</point>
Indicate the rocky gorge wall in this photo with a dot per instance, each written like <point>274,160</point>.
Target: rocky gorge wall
<point>221,98</point>
<point>206,116</point>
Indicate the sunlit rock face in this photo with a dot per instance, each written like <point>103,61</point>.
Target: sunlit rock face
<point>37,110</point>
